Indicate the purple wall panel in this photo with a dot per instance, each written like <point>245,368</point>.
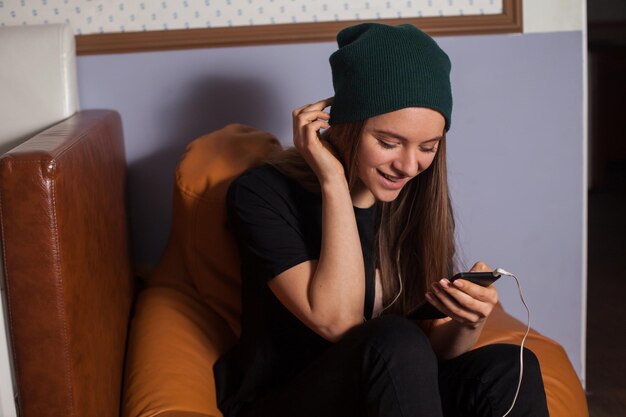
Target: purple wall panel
<point>516,161</point>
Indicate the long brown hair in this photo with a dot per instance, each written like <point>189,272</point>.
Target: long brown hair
<point>415,236</point>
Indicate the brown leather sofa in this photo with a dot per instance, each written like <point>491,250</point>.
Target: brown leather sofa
<point>68,277</point>
<point>70,287</point>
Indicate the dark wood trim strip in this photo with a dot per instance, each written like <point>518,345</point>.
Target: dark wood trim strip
<point>509,21</point>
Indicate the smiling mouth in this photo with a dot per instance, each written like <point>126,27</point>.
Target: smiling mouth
<point>391,178</point>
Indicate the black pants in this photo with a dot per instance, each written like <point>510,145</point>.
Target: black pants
<point>386,367</point>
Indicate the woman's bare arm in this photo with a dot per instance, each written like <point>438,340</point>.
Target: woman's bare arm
<point>326,295</point>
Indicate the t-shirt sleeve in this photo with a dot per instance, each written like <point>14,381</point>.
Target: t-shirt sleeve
<point>266,231</point>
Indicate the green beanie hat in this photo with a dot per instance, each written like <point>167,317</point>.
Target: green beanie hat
<point>380,68</point>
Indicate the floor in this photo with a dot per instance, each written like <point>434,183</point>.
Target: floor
<point>606,301</point>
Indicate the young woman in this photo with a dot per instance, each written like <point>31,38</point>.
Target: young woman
<point>346,232</point>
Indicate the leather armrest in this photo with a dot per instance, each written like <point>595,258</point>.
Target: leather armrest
<point>68,275</point>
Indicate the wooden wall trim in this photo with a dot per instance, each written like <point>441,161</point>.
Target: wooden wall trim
<point>510,21</point>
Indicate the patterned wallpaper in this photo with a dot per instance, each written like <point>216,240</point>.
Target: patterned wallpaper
<point>105,16</point>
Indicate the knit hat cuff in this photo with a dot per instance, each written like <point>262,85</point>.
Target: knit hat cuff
<point>380,68</point>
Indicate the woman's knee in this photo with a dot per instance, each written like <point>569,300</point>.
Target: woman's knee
<point>398,338</point>
<point>531,364</point>
<point>532,397</point>
<point>397,348</point>
<point>508,358</point>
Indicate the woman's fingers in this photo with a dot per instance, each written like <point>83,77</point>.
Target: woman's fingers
<point>467,302</point>
<point>304,119</point>
<point>313,127</point>
<point>305,115</point>
<point>464,299</point>
<point>306,126</point>
<point>308,116</point>
<point>307,121</point>
<point>447,305</point>
<point>481,267</point>
<point>308,139</point>
<point>486,294</point>
<point>317,106</point>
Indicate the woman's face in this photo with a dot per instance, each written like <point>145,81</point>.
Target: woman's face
<point>394,148</point>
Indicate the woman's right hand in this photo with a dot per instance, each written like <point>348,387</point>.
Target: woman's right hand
<point>319,154</point>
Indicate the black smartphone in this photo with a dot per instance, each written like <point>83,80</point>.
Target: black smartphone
<point>426,311</point>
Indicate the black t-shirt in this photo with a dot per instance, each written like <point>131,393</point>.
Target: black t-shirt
<point>277,225</point>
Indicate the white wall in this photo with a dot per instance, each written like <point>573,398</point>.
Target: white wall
<point>565,16</point>
<point>553,15</point>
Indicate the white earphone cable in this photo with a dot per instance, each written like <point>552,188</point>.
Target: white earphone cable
<point>521,351</point>
<point>397,295</point>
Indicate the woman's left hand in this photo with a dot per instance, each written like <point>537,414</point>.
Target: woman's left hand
<point>465,302</point>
